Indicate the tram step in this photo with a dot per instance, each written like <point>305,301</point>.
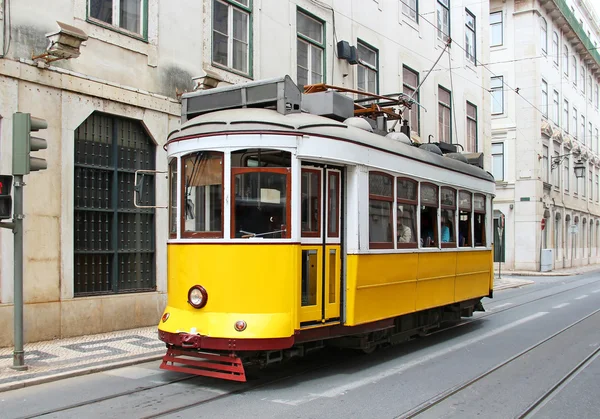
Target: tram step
<point>226,367</point>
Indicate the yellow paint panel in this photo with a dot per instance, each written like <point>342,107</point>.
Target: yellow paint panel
<point>435,280</point>
<point>474,275</point>
<point>380,286</point>
<point>257,280</point>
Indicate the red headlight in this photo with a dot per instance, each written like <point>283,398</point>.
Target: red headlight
<point>197,296</point>
<point>165,317</point>
<point>240,325</point>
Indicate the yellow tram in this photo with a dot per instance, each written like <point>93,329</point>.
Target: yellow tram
<point>295,224</point>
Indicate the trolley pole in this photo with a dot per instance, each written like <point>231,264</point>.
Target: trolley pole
<point>19,353</point>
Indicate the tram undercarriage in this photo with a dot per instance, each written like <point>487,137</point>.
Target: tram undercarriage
<point>191,354</point>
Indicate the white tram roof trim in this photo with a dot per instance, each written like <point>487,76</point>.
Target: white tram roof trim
<point>257,119</point>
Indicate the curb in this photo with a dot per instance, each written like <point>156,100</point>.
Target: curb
<point>78,372</point>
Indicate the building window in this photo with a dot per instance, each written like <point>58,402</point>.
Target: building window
<point>368,64</point>
<point>574,126</point>
<point>566,174</point>
<point>470,38</point>
<point>596,100</point>
<point>544,35</point>
<point>582,138</point>
<point>114,241</point>
<point>545,163</point>
<point>496,29</point>
<point>498,161</point>
<point>591,184</point>
<point>545,98</point>
<point>410,81</point>
<point>444,115</point>
<point>381,198</point>
<point>231,35</point>
<point>583,186</point>
<point>596,143</point>
<point>556,108</point>
<point>497,87</point>
<point>310,49</point>
<point>590,140</point>
<point>411,9</point>
<point>555,171</point>
<point>471,128</point>
<point>589,90</point>
<point>566,116</point>
<point>582,78</point>
<point>443,19</point>
<point>566,60</point>
<point>596,190</point>
<point>574,68</point>
<point>555,51</point>
<point>129,15</point>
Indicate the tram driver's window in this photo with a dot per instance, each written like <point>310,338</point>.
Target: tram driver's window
<point>381,197</point>
<point>479,221</point>
<point>464,219</point>
<point>173,182</point>
<point>203,194</point>
<point>261,204</point>
<point>429,221</point>
<point>406,230</point>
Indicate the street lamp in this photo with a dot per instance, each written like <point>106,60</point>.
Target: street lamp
<point>579,168</point>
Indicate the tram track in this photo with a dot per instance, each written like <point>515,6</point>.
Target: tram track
<point>443,396</point>
<point>310,369</point>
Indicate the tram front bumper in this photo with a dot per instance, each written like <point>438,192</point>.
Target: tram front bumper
<point>196,341</point>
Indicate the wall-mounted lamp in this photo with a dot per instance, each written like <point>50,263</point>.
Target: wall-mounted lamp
<point>579,168</point>
<point>210,80</point>
<point>64,44</point>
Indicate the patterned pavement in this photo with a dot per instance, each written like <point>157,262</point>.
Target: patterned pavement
<point>64,358</point>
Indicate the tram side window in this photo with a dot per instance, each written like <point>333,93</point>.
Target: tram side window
<point>429,222</point>
<point>261,184</point>
<point>203,194</point>
<point>173,197</point>
<point>479,229</point>
<point>464,216</point>
<point>448,233</point>
<point>407,213</point>
<point>311,202</point>
<point>381,197</point>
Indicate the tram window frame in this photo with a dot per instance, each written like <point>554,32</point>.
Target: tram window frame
<point>318,209</point>
<point>192,234</point>
<point>446,207</point>
<point>466,210</point>
<point>389,244</point>
<point>434,220</point>
<point>262,160</point>
<point>173,188</point>
<point>479,226</point>
<point>333,213</point>
<point>403,202</point>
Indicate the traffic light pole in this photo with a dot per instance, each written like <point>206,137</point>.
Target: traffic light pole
<point>19,353</point>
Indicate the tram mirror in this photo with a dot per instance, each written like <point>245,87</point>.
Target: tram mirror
<point>143,188</point>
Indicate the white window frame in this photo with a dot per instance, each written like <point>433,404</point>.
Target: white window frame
<point>545,98</point>
<point>368,67</point>
<point>411,9</point>
<point>544,35</point>
<point>497,90</point>
<point>116,18</point>
<point>498,151</point>
<point>495,24</point>
<point>311,44</point>
<point>470,50</point>
<point>240,7</point>
<point>443,19</point>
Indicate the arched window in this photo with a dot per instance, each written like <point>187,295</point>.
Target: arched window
<point>555,52</point>
<point>544,35</point>
<point>114,240</point>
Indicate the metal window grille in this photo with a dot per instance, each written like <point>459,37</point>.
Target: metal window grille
<point>114,245</point>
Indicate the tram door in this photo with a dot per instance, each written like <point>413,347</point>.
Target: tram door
<point>321,245</point>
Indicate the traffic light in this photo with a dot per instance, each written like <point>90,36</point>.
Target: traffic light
<point>5,197</point>
<point>24,144</point>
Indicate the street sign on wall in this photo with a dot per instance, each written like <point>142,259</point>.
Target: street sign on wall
<point>543,223</point>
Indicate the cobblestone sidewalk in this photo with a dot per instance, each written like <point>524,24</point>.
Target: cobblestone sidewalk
<point>62,358</point>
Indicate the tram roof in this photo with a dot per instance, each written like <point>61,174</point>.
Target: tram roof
<point>265,120</point>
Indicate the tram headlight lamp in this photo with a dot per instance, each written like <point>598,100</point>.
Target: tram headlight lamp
<point>197,296</point>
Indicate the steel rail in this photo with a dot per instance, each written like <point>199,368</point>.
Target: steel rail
<point>436,400</point>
